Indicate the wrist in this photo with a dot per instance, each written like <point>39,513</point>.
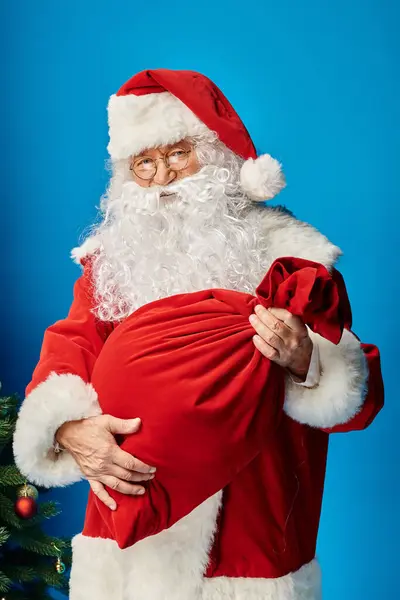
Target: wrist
<point>58,446</point>
<point>299,372</point>
<point>298,376</point>
<point>58,436</point>
<point>62,435</point>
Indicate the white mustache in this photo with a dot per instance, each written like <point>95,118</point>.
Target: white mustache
<point>149,198</point>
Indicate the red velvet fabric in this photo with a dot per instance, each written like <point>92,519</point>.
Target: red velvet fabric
<point>208,400</point>
<point>202,97</point>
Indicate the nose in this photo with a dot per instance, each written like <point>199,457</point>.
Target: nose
<point>164,175</point>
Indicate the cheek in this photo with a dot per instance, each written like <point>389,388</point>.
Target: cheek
<point>139,181</point>
<point>192,168</point>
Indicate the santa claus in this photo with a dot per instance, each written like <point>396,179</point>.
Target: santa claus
<point>181,215</point>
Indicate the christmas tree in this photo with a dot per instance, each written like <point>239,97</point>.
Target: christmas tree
<point>31,562</point>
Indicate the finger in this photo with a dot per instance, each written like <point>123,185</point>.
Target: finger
<point>131,476</point>
<point>290,320</point>
<point>116,425</point>
<point>266,334</point>
<point>131,463</point>
<point>130,489</point>
<point>265,349</point>
<point>276,325</point>
<point>100,491</point>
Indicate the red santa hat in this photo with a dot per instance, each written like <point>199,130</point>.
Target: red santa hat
<point>162,106</point>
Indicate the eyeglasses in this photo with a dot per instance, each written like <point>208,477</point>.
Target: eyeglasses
<point>145,167</point>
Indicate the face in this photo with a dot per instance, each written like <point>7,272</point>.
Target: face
<point>164,165</point>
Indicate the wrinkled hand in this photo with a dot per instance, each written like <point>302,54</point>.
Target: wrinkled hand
<point>283,338</point>
<point>92,444</point>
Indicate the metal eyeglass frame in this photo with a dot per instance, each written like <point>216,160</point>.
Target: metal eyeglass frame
<point>164,159</point>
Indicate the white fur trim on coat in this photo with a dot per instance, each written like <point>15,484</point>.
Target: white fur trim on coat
<point>304,584</point>
<point>171,566</point>
<point>59,399</point>
<point>140,122</point>
<point>89,246</point>
<point>341,391</point>
<point>262,178</point>
<point>283,235</point>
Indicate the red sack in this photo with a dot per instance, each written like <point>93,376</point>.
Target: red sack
<point>208,400</point>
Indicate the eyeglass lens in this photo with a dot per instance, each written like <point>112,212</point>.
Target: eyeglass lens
<point>176,159</point>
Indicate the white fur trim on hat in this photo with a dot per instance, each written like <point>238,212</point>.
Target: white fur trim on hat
<point>262,178</point>
<point>140,122</point>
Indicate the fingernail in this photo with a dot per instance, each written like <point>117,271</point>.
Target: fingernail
<point>152,470</point>
<point>113,506</point>
<point>151,477</point>
<point>252,318</point>
<point>140,493</point>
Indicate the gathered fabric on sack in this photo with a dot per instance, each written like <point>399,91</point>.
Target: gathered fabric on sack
<point>208,400</point>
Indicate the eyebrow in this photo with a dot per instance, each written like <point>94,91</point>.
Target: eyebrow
<point>164,148</point>
<point>146,151</point>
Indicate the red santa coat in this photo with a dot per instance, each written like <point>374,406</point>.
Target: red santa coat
<point>222,549</point>
<point>208,400</point>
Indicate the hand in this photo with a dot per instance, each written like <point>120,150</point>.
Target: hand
<point>283,338</point>
<point>92,444</point>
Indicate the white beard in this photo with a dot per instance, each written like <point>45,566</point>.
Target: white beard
<point>153,246</point>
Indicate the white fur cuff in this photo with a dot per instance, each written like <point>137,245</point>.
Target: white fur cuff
<point>59,399</point>
<point>342,387</point>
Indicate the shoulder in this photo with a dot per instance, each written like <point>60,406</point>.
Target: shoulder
<point>284,235</point>
<point>81,254</point>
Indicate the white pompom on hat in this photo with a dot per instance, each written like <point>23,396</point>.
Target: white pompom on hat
<point>161,106</point>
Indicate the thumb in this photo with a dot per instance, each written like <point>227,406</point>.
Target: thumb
<point>116,425</point>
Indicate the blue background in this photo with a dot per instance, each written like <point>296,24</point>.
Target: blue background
<point>317,86</point>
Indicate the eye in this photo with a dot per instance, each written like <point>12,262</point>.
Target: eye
<point>143,164</point>
<point>178,158</point>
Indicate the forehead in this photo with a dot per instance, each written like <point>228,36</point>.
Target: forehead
<point>164,149</point>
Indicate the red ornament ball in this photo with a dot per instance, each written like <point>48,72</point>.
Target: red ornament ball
<point>25,507</point>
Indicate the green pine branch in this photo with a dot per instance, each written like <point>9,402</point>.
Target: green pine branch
<point>57,547</point>
<point>53,579</point>
<point>7,426</point>
<point>34,567</point>
<point>8,419</point>
<point>7,513</point>
<point>10,475</point>
<point>46,510</point>
<point>5,583</point>
<point>4,535</point>
<point>20,573</point>
<point>28,555</point>
<point>38,542</point>
<point>46,573</point>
